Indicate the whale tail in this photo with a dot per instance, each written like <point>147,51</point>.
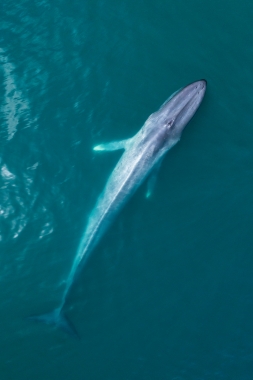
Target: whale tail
<point>58,319</point>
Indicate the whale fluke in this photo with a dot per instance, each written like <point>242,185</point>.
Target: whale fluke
<point>57,319</point>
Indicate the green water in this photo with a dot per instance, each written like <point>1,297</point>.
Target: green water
<point>168,292</point>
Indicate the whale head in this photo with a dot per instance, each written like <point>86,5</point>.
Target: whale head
<point>169,121</point>
<point>180,108</point>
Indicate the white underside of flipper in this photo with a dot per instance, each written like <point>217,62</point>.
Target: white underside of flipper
<point>111,146</point>
<point>152,179</point>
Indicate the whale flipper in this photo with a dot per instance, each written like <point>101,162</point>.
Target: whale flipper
<point>111,146</point>
<point>58,319</point>
<point>152,179</point>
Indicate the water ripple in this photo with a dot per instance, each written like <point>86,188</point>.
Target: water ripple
<point>15,105</point>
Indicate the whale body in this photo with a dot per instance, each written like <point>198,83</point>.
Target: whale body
<point>142,157</point>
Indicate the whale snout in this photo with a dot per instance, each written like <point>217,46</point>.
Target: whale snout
<point>202,84</point>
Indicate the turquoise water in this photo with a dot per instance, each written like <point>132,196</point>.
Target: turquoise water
<point>168,292</point>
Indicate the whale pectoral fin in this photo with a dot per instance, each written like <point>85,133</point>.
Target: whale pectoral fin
<point>151,184</point>
<point>114,145</point>
<point>152,179</point>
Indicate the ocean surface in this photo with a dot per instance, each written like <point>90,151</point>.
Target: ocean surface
<point>168,292</point>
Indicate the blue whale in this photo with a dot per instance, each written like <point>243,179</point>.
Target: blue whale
<point>142,157</point>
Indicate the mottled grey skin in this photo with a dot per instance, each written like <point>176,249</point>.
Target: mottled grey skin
<point>143,152</point>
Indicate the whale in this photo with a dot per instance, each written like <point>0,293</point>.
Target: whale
<point>141,159</point>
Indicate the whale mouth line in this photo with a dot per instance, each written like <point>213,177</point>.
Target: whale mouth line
<point>186,104</point>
